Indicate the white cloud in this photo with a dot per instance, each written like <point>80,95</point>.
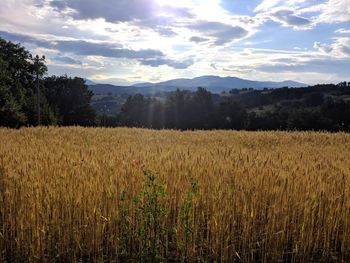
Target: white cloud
<point>289,18</point>
<point>266,5</point>
<point>302,11</point>
<point>335,11</point>
<point>340,48</point>
<point>327,49</point>
<point>343,31</point>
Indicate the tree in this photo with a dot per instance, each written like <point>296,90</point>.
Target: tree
<point>133,111</point>
<point>17,89</point>
<point>70,100</point>
<point>176,105</point>
<point>338,113</point>
<point>313,99</point>
<point>308,119</point>
<point>10,110</point>
<point>201,109</point>
<point>231,115</point>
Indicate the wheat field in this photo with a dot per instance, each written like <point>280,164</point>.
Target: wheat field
<point>135,195</point>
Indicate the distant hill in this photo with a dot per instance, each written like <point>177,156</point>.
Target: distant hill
<point>89,82</point>
<point>115,90</point>
<point>213,84</point>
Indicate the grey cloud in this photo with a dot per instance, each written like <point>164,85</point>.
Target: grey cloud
<point>198,39</point>
<point>327,66</point>
<point>19,38</point>
<point>58,4</point>
<point>67,60</point>
<point>345,50</point>
<point>165,31</point>
<point>340,47</point>
<point>84,48</point>
<point>111,30</point>
<point>223,33</point>
<point>290,18</point>
<point>150,57</point>
<point>169,62</point>
<point>38,3</point>
<point>323,47</point>
<point>160,24</point>
<point>117,11</point>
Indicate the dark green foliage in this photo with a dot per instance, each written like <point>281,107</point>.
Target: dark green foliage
<point>269,120</point>
<point>134,111</point>
<point>313,99</point>
<point>18,98</point>
<point>63,100</point>
<point>231,115</point>
<point>338,113</point>
<point>177,110</point>
<point>70,99</point>
<point>16,84</point>
<point>320,107</point>
<point>152,213</point>
<point>307,119</point>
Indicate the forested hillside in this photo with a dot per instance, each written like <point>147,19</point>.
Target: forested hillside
<point>320,107</point>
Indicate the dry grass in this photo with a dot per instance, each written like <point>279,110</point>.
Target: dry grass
<point>74,194</point>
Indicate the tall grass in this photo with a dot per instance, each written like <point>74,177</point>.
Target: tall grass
<point>133,195</point>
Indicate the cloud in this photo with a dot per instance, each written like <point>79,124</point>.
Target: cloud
<point>117,11</point>
<point>266,5</point>
<point>59,5</point>
<point>139,13</point>
<point>169,62</point>
<point>317,65</point>
<point>198,39</point>
<point>323,47</point>
<point>67,60</point>
<point>20,38</point>
<point>326,11</point>
<point>289,18</point>
<point>165,31</point>
<point>85,48</point>
<point>149,57</point>
<point>334,11</point>
<point>222,33</point>
<point>342,31</point>
<point>340,48</point>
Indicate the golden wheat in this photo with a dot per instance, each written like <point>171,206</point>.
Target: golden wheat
<point>76,194</point>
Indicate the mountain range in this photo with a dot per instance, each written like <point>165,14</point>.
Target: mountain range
<point>213,84</point>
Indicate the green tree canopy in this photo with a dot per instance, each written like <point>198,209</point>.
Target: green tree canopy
<point>70,100</point>
<point>17,87</point>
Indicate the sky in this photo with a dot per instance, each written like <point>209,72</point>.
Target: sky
<point>133,41</point>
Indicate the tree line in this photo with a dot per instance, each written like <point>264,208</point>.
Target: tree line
<point>63,100</point>
<point>203,110</point>
<point>66,101</point>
